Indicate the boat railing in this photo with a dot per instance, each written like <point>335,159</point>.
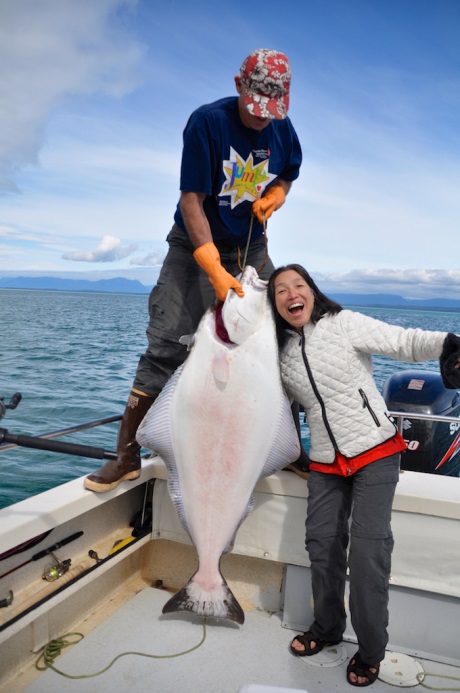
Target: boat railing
<point>9,441</point>
<point>401,415</point>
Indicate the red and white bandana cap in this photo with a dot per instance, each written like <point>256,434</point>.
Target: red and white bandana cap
<point>266,78</point>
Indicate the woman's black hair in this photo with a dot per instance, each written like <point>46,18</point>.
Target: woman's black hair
<point>321,307</point>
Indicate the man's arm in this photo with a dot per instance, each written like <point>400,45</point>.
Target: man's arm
<point>195,220</point>
<point>206,253</point>
<point>285,184</point>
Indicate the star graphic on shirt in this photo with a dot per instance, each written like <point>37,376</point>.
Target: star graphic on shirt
<point>243,180</point>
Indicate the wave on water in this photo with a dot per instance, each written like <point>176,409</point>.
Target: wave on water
<point>73,356</point>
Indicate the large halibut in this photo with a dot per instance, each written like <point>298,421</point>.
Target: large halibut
<point>222,422</point>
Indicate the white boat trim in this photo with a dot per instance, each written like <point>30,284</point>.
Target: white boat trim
<point>268,569</point>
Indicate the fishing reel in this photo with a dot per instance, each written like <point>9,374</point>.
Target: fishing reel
<point>54,571</point>
<point>16,398</point>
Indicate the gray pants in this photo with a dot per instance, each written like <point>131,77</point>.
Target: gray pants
<point>177,303</point>
<point>367,498</point>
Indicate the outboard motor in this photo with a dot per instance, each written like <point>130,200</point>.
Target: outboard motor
<point>433,446</point>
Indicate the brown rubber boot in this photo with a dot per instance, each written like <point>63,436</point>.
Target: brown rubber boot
<point>128,463</point>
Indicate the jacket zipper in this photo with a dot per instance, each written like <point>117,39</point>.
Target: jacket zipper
<point>366,404</point>
<point>317,395</point>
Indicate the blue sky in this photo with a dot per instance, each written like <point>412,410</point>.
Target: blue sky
<point>94,97</point>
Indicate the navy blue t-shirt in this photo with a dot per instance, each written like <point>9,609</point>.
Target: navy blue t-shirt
<point>233,165</point>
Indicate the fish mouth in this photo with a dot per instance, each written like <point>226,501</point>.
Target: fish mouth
<point>221,330</point>
<point>251,277</point>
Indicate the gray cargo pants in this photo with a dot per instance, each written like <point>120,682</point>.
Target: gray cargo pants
<point>367,498</point>
<point>177,303</point>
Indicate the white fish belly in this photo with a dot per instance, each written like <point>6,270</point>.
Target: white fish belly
<point>223,433</point>
<point>221,423</point>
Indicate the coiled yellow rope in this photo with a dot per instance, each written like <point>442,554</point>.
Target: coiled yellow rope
<point>420,678</point>
<point>53,649</point>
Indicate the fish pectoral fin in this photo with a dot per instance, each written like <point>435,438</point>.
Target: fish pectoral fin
<point>286,445</point>
<point>221,367</point>
<point>187,340</point>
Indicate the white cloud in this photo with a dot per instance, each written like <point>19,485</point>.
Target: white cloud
<point>6,231</point>
<point>109,249</point>
<point>409,283</point>
<point>379,183</point>
<point>150,260</point>
<point>52,50</point>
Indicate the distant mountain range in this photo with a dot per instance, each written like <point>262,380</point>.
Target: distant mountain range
<point>394,301</point>
<point>133,286</point>
<point>118,285</point>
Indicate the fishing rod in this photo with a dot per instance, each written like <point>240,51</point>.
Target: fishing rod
<point>46,552</point>
<point>41,443</point>
<point>56,446</point>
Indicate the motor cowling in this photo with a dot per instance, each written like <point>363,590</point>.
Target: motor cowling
<point>433,446</point>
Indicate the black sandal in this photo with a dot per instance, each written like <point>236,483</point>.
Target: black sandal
<point>306,640</point>
<point>360,668</point>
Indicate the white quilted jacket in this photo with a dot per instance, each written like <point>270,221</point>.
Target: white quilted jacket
<point>328,369</point>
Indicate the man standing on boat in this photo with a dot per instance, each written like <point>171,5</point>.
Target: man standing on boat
<point>240,156</point>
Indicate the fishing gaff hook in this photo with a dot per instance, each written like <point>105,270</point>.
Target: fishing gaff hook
<point>242,266</point>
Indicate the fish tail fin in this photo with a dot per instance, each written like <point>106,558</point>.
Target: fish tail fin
<point>219,602</point>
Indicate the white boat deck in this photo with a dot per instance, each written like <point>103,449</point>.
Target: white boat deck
<point>117,608</point>
<point>251,657</point>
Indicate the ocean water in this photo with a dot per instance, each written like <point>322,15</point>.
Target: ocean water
<point>73,355</point>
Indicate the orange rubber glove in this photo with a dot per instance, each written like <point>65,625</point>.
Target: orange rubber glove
<point>272,200</point>
<point>208,258</point>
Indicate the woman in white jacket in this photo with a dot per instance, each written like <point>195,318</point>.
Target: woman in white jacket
<point>326,366</point>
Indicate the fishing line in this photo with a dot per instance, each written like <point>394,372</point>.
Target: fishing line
<point>247,247</point>
<point>52,650</point>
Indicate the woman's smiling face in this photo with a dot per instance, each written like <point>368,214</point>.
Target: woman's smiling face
<point>294,299</point>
